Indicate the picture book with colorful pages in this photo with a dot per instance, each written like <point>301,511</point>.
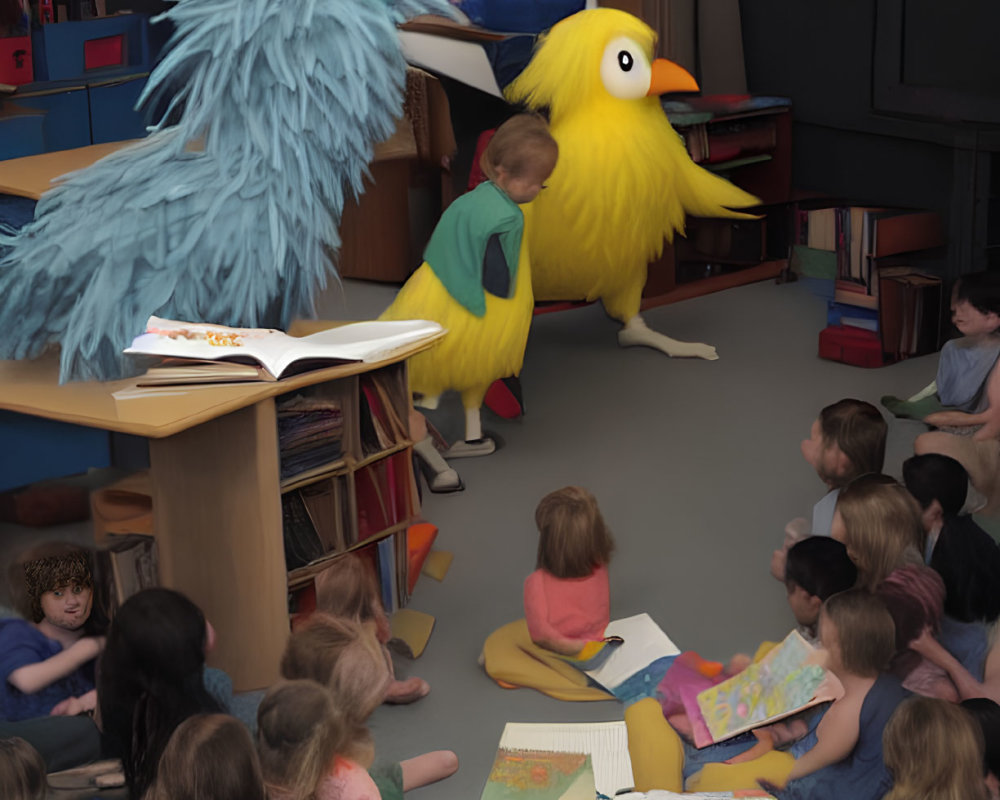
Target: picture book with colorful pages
<point>785,681</point>
<point>212,352</point>
<point>546,747</point>
<point>644,644</point>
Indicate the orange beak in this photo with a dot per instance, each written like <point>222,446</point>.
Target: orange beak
<point>670,77</point>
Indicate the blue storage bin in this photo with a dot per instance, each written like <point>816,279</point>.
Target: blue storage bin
<point>36,449</point>
<point>519,16</point>
<point>112,109</point>
<point>58,49</point>
<point>67,113</point>
<point>20,131</point>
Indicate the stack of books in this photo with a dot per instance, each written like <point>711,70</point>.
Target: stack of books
<point>310,431</point>
<point>879,308</point>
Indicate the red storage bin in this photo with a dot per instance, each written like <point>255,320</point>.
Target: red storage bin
<point>856,346</point>
<point>15,60</point>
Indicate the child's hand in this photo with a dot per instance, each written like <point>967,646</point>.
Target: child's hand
<point>924,642</point>
<point>738,663</point>
<point>88,647</point>
<point>69,707</point>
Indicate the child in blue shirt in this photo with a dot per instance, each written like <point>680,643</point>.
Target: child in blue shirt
<point>47,661</point>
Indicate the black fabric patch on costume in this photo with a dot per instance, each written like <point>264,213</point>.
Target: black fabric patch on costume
<point>496,273</point>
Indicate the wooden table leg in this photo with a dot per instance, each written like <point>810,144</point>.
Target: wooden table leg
<point>217,520</point>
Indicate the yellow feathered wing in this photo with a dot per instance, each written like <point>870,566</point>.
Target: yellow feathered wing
<point>477,350</point>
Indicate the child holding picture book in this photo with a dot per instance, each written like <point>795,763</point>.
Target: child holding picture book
<point>566,601</point>
<point>858,640</point>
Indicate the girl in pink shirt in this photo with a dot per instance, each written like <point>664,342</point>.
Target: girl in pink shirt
<point>567,598</point>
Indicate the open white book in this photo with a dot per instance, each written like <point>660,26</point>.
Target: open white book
<point>265,354</point>
<point>645,642</point>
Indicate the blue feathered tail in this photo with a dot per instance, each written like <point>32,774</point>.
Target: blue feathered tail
<point>229,216</point>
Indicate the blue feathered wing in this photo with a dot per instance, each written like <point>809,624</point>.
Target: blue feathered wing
<point>231,214</point>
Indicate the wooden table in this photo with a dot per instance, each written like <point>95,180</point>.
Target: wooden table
<point>214,466</point>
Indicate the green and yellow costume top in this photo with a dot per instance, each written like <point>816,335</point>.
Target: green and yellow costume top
<point>476,245</point>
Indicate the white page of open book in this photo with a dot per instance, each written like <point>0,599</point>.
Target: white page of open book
<point>605,742</point>
<point>645,642</point>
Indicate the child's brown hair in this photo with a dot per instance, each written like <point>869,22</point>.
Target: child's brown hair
<point>343,655</point>
<point>934,750</point>
<point>883,527</point>
<point>865,631</point>
<point>209,757</point>
<point>299,732</point>
<point>22,770</point>
<point>520,146</point>
<point>572,537</point>
<point>859,431</point>
<point>347,588</point>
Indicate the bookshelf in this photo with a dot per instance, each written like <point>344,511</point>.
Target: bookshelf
<point>747,140</point>
<point>217,491</point>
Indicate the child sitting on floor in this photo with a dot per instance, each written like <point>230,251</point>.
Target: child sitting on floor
<point>880,525</point>
<point>845,441</point>
<point>567,602</point>
<point>209,757</point>
<point>986,713</point>
<point>817,568</point>
<point>965,556</point>
<point>968,384</point>
<point>47,661</point>
<point>347,588</point>
<point>858,640</point>
<point>345,657</point>
<point>309,749</point>
<point>933,749</point>
<point>22,771</point>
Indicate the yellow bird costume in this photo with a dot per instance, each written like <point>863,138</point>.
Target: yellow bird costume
<point>624,179</point>
<point>479,348</point>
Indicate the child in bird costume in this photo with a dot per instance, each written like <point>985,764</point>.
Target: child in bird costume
<point>624,180</point>
<point>476,280</point>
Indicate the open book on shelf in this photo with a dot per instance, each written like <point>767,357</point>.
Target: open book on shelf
<point>216,353</point>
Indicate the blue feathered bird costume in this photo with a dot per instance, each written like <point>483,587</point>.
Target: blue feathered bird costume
<point>231,214</point>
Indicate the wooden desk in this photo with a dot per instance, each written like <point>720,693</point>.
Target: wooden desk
<point>214,464</point>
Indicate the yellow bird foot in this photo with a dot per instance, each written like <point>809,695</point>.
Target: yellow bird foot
<point>636,334</point>
<point>471,449</point>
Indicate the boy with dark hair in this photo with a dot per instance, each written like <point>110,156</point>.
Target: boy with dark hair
<point>845,441</point>
<point>817,567</point>
<point>965,556</point>
<point>47,659</point>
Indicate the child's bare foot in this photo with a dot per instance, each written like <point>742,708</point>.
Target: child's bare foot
<point>408,691</point>
<point>428,768</point>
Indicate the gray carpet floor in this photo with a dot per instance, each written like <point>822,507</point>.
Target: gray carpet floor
<point>696,466</point>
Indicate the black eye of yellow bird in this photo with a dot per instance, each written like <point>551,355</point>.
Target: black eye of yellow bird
<point>625,60</point>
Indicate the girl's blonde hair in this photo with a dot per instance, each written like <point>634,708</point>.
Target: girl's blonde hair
<point>521,146</point>
<point>883,527</point>
<point>865,631</point>
<point>344,656</point>
<point>934,750</point>
<point>209,757</point>
<point>299,733</point>
<point>572,537</point>
<point>347,588</point>
<point>22,770</point>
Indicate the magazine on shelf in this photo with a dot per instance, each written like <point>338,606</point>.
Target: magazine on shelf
<point>213,353</point>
